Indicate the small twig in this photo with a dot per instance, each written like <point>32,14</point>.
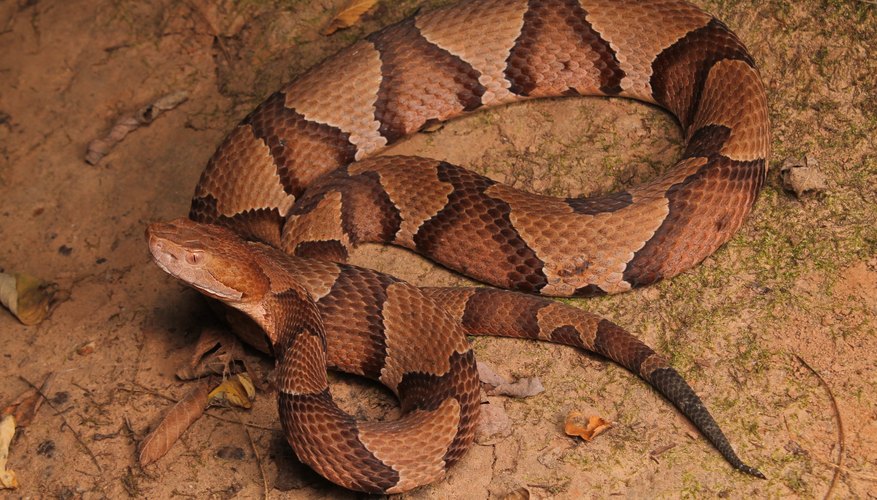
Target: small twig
<point>661,450</point>
<point>842,470</point>
<point>256,454</point>
<point>63,419</point>
<point>838,465</point>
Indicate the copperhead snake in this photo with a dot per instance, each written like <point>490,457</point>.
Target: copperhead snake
<point>297,184</point>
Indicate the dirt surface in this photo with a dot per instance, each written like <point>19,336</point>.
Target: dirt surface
<point>800,279</point>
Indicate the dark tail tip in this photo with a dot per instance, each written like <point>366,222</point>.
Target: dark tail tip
<point>752,471</point>
<point>669,383</point>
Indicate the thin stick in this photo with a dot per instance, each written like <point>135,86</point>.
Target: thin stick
<point>256,454</point>
<point>844,470</point>
<point>838,465</point>
<point>63,419</point>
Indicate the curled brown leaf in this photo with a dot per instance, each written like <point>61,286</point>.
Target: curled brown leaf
<point>26,405</point>
<point>587,428</point>
<point>349,15</point>
<point>174,424</point>
<point>215,354</point>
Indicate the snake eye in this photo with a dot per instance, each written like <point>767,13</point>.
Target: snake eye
<point>194,258</point>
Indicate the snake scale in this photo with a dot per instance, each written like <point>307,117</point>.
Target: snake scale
<point>297,184</point>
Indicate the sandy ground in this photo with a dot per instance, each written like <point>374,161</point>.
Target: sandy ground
<point>800,279</point>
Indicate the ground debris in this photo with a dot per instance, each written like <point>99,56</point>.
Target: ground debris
<point>7,431</point>
<point>24,408</point>
<point>86,348</point>
<point>174,424</point>
<point>30,299</point>
<point>587,428</point>
<point>216,353</point>
<point>237,391</point>
<point>520,388</point>
<point>126,124</point>
<point>802,176</point>
<point>349,15</point>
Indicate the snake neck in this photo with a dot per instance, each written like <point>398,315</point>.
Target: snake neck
<point>293,325</point>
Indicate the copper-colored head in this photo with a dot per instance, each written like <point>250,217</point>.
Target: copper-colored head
<point>211,259</point>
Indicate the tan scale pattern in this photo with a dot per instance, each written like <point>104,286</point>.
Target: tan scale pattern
<point>413,187</point>
<point>734,97</point>
<point>275,269</point>
<point>558,315</point>
<point>348,102</point>
<point>638,31</point>
<point>715,205</point>
<point>411,349</point>
<point>453,300</point>
<point>326,439</point>
<point>260,187</point>
<point>485,45</point>
<point>558,52</point>
<point>652,363</point>
<point>658,187</point>
<point>317,276</point>
<point>557,236</point>
<point>416,455</point>
<point>352,312</point>
<point>305,372</point>
<point>422,82</point>
<point>321,224</point>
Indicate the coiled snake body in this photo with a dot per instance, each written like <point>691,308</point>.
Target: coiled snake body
<point>299,174</point>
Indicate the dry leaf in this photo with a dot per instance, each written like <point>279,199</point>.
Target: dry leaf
<point>30,299</point>
<point>247,382</point>
<point>521,388</point>
<point>349,15</point>
<point>7,431</point>
<point>215,353</point>
<point>26,405</point>
<point>575,425</point>
<point>238,391</point>
<point>802,175</point>
<point>174,424</point>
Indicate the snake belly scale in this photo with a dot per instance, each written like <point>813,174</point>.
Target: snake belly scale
<point>297,184</point>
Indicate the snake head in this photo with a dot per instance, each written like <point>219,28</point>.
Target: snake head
<point>211,259</point>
